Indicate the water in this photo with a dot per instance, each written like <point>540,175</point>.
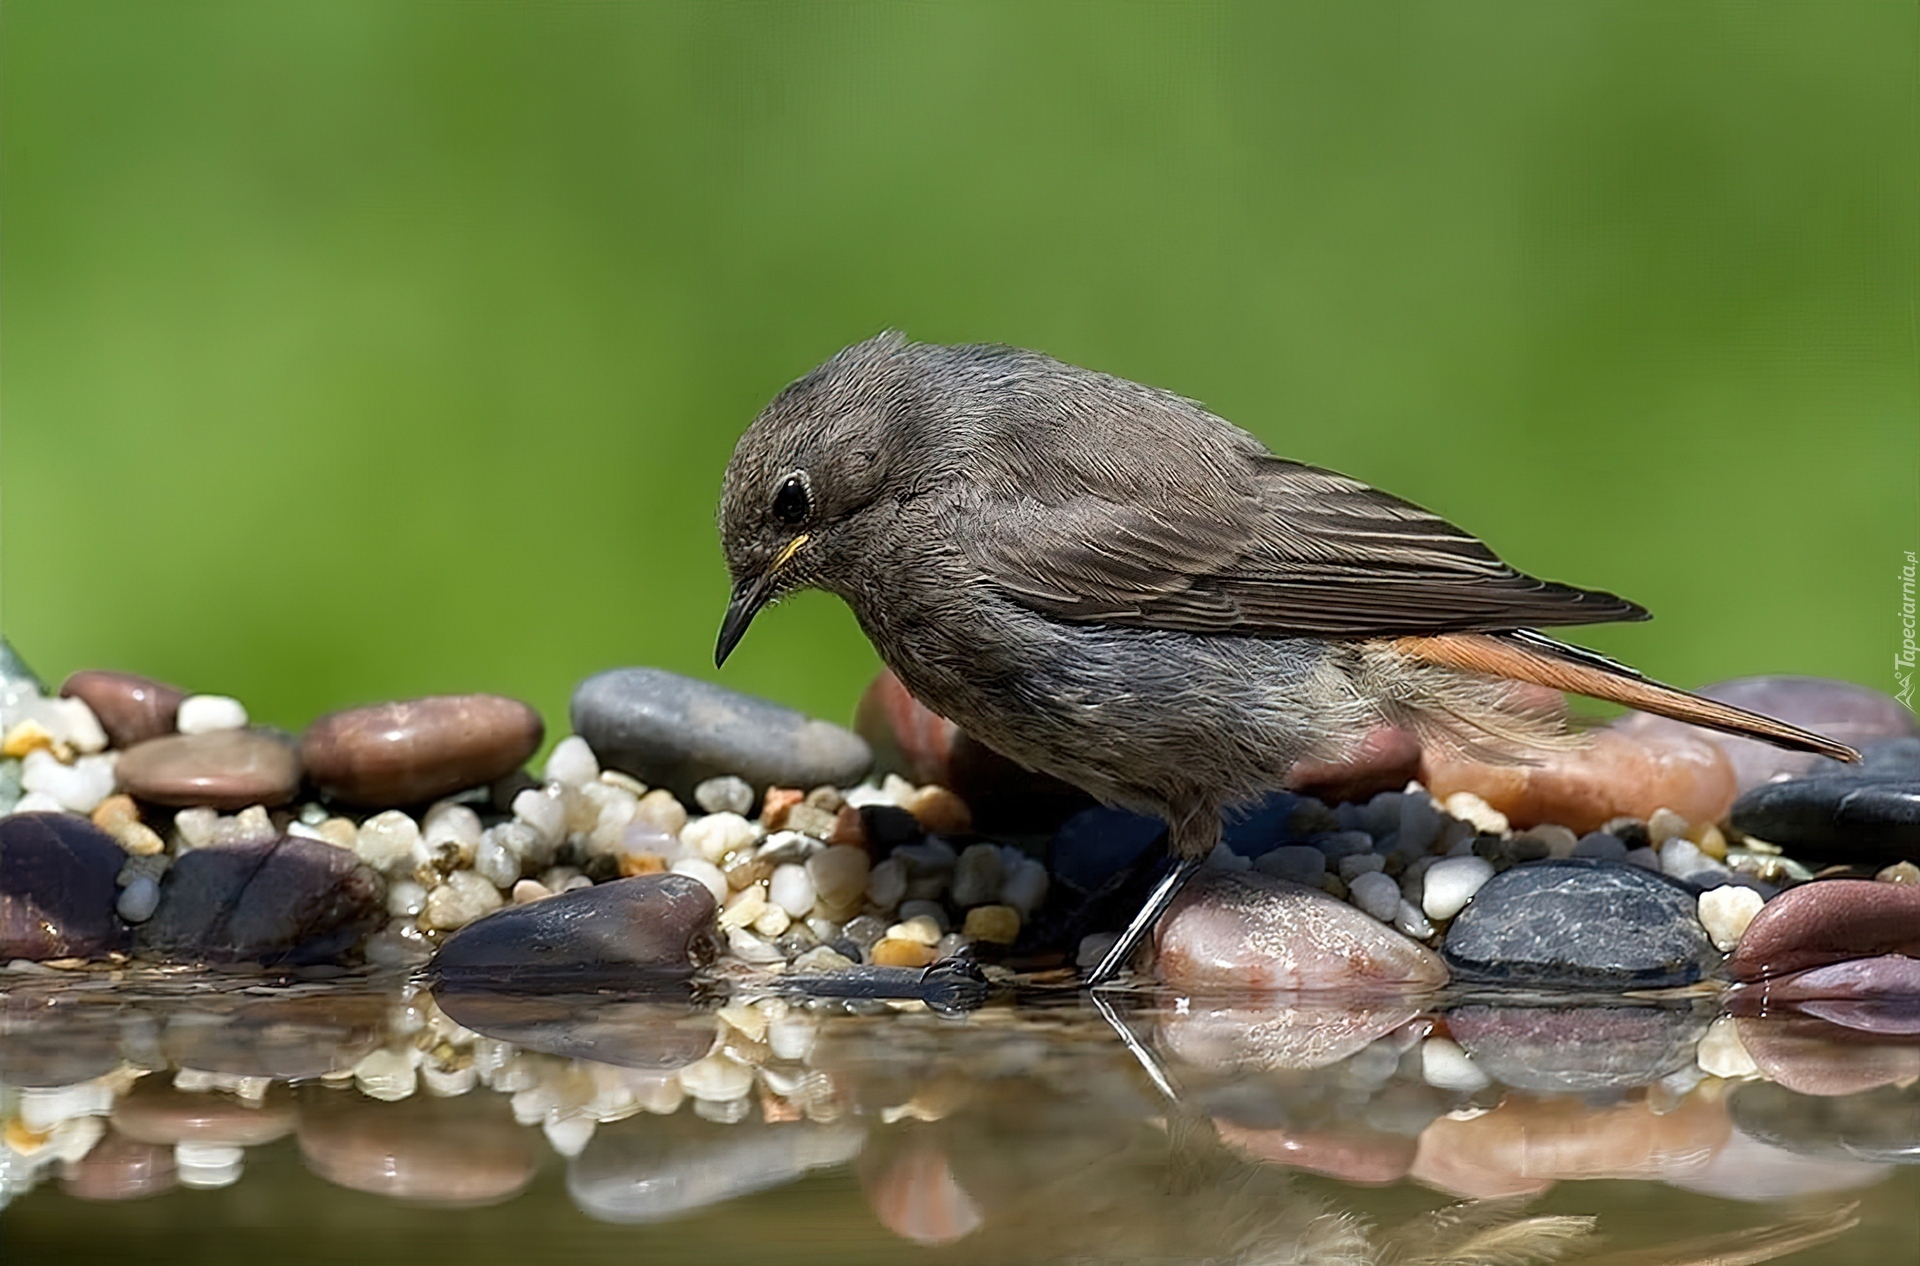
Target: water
<point>378,1125</point>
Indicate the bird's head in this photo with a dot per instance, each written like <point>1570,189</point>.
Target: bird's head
<point>797,503</point>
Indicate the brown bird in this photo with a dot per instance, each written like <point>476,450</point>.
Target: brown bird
<point>1105,582</point>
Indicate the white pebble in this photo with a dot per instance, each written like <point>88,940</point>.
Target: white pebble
<point>1378,894</point>
<point>452,824</point>
<point>542,808</point>
<point>1665,825</point>
<point>462,899</point>
<point>704,871</point>
<point>38,802</point>
<point>387,1075</point>
<point>1726,911</point>
<point>773,921</point>
<point>569,1135</point>
<point>716,1078</point>
<point>749,948</point>
<point>571,762</point>
<point>68,721</point>
<point>301,831</point>
<point>661,811</point>
<point>203,714</point>
<point>1444,1065</point>
<point>528,891</point>
<point>792,890</point>
<point>922,929</point>
<point>1682,859</point>
<point>79,787</point>
<point>839,875</point>
<point>207,1166</point>
<point>494,863</point>
<point>718,834</point>
<point>1721,1053</point>
<point>911,910</point>
<point>1300,863</point>
<point>726,794</point>
<point>977,875</point>
<point>448,1083</point>
<point>1025,888</point>
<point>1450,883</point>
<point>1408,921</point>
<point>406,898</point>
<point>820,960</point>
<point>138,899</point>
<point>1472,809</point>
<point>386,840</point>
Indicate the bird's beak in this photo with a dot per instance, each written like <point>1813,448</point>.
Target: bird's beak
<point>749,595</point>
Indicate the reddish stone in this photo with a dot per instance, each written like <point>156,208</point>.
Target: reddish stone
<point>226,769</point>
<point>154,1112</point>
<point>1813,1057</point>
<point>1388,759</point>
<point>131,708</point>
<point>1828,921</point>
<point>1610,775</point>
<point>448,1152</point>
<point>118,1168</point>
<point>1356,1155</point>
<point>419,749</point>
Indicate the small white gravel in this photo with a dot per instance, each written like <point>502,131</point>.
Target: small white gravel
<point>1472,809</point>
<point>726,794</point>
<point>79,787</point>
<point>1726,911</point>
<point>542,808</point>
<point>718,834</point>
<point>1378,894</point>
<point>839,875</point>
<point>38,802</point>
<point>791,888</point>
<point>569,1135</point>
<point>462,899</point>
<point>571,762</point>
<point>704,871</point>
<point>1721,1053</point>
<point>1665,825</point>
<point>1682,859</point>
<point>203,714</point>
<point>1444,1065</point>
<point>387,1075</point>
<point>1450,883</point>
<point>386,840</point>
<point>1408,921</point>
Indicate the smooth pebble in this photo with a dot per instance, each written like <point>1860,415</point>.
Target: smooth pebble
<point>1450,883</point>
<point>203,714</point>
<point>1378,894</point>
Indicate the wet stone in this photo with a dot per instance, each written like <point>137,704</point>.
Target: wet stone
<point>131,708</point>
<point>118,1168</point>
<point>155,1112</point>
<point>1828,921</point>
<point>631,931</point>
<point>225,769</point>
<point>650,1170</point>
<point>1871,816</point>
<point>420,749</point>
<point>1580,924</point>
<point>288,1039</point>
<point>657,1035</point>
<point>57,889</point>
<point>284,900</point>
<point>1576,1050</point>
<point>1614,774</point>
<point>673,731</point>
<point>1244,930</point>
<point>450,1152</point>
<point>1852,714</point>
<point>1882,1124</point>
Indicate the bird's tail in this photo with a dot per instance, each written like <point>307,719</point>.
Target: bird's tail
<point>1532,657</point>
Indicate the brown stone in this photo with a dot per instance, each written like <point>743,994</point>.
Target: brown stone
<point>419,749</point>
<point>1387,760</point>
<point>131,708</point>
<point>1611,774</point>
<point>154,1112</point>
<point>1353,1154</point>
<point>939,811</point>
<point>1247,931</point>
<point>226,769</point>
<point>1828,921</point>
<point>118,1168</point>
<point>1812,1057</point>
<point>453,1152</point>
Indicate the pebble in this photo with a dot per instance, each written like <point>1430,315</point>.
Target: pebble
<point>387,840</point>
<point>1576,1050</point>
<point>839,875</point>
<point>406,898</point>
<point>419,749</point>
<point>892,951</point>
<point>1837,817</point>
<point>1892,977</point>
<point>138,899</point>
<point>1025,887</point>
<point>1249,931</point>
<point>677,732</point>
<point>279,900</point>
<point>791,889</point>
<point>420,1150</point>
<point>630,1173</point>
<point>1450,883</point>
<point>130,708</point>
<point>544,809</point>
<point>79,787</point>
<point>57,888</point>
<point>821,960</point>
<point>939,811</point>
<point>1580,925</point>
<point>922,928</point>
<point>153,1112</point>
<point>118,1168</point>
<point>744,906</point>
<point>224,769</point>
<point>1828,921</point>
<point>571,763</point>
<point>1726,911</point>
<point>529,890</point>
<point>465,896</point>
<point>999,925</point>
<point>1683,860</point>
<point>1600,846</point>
<point>622,931</point>
<point>977,875</point>
<point>662,810</point>
<point>1376,893</point>
<point>1296,863</point>
<point>1471,809</point>
<point>887,883</point>
<point>1445,1065</point>
<point>725,794</point>
<point>705,873</point>
<point>749,948</point>
<point>1852,714</point>
<point>1354,865</point>
<point>203,714</point>
<point>1611,775</point>
<point>718,834</point>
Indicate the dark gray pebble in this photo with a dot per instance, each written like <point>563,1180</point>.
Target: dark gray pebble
<point>286,900</point>
<point>1575,1050</point>
<point>658,1033</point>
<point>57,888</point>
<point>628,933</point>
<point>1882,1124</point>
<point>676,732</point>
<point>1580,924</point>
<point>1871,816</point>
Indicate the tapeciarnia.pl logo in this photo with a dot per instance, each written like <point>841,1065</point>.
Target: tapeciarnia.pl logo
<point>1903,658</point>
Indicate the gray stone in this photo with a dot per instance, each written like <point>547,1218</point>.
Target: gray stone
<point>657,1033</point>
<point>1577,924</point>
<point>284,900</point>
<point>676,732</point>
<point>1869,816</point>
<point>631,932</point>
<point>1881,1124</point>
<point>649,1169</point>
<point>1576,1050</point>
<point>57,889</point>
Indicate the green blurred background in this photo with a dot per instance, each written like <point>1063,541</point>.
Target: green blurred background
<point>362,350</point>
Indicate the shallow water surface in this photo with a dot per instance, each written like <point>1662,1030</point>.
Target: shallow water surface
<point>177,1118</point>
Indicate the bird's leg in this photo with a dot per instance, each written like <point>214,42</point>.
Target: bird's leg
<point>1136,931</point>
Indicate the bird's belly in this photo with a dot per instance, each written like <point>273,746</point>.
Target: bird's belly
<point>1137,717</point>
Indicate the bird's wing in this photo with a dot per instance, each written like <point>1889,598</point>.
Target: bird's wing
<point>1289,549</point>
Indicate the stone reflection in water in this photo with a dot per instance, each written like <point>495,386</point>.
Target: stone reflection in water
<point>648,1169</point>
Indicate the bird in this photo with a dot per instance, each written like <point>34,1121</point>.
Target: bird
<point>1108,583</point>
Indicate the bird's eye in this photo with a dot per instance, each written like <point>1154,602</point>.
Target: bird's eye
<point>791,504</point>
